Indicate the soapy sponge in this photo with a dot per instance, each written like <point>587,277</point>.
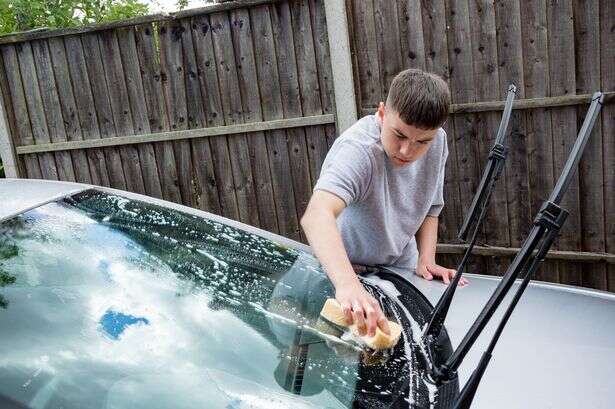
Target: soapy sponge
<point>332,312</point>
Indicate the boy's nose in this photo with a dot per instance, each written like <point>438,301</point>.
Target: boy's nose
<point>404,149</point>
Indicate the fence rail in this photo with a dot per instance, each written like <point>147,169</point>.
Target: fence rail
<point>180,135</point>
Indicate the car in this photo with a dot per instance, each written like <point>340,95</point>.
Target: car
<point>110,299</point>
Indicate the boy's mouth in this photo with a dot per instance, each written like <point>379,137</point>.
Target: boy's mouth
<point>401,161</point>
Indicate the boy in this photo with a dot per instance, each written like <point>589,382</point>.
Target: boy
<point>379,195</point>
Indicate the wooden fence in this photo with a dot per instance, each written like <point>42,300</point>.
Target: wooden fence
<point>232,109</point>
<point>226,108</point>
<point>556,52</point>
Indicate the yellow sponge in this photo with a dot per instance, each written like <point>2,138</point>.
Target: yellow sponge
<point>332,311</point>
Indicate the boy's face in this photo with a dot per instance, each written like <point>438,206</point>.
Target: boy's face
<point>402,143</point>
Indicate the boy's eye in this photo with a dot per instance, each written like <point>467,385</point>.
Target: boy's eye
<point>400,136</point>
<point>423,142</point>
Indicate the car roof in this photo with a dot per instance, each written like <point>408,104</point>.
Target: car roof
<point>20,195</point>
<point>558,349</point>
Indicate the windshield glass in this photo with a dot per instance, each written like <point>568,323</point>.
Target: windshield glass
<point>108,302</point>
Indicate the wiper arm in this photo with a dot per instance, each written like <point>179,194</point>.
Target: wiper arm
<point>474,217</point>
<point>547,224</point>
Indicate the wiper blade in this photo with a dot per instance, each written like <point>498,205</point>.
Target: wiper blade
<point>474,217</point>
<point>547,224</point>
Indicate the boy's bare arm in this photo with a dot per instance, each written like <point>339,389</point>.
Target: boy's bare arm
<point>324,237</point>
<point>426,240</point>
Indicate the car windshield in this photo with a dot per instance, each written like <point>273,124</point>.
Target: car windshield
<point>108,302</point>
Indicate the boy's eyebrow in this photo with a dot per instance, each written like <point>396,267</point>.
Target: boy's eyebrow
<point>399,132</point>
<point>419,140</point>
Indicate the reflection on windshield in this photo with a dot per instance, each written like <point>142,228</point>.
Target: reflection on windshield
<point>116,303</point>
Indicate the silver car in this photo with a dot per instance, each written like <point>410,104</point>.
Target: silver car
<point>109,299</point>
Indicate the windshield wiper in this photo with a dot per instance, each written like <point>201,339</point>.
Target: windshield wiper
<point>474,217</point>
<point>547,224</point>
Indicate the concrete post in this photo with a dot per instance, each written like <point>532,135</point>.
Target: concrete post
<point>7,149</point>
<point>341,64</point>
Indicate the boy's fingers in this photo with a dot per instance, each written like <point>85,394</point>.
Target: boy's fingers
<point>383,323</point>
<point>359,319</point>
<point>347,312</point>
<point>372,320</point>
<point>445,278</point>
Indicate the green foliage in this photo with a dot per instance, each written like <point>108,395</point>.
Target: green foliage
<point>21,15</point>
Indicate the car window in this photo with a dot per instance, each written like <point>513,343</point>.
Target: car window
<point>108,302</point>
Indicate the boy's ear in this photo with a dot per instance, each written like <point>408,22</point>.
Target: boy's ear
<point>380,112</point>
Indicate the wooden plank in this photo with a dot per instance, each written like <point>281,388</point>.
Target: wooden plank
<point>171,62</point>
<point>13,165</point>
<point>607,56</point>
<point>591,182</point>
<point>309,85</point>
<point>241,29</point>
<point>352,44</point>
<point>368,59</point>
<point>485,63</point>
<point>271,105</point>
<point>564,124</point>
<point>538,121</point>
<point>67,107</point>
<point>23,136</point>
<point>210,89</point>
<point>36,112</point>
<point>411,34</point>
<point>161,17</point>
<point>232,110</point>
<point>85,109</point>
<point>102,108</point>
<point>323,63</point>
<point>206,195</point>
<point>436,60</point>
<point>158,119</point>
<point>462,90</point>
<point>138,109</point>
<point>510,55</point>
<point>120,109</point>
<point>387,44</point>
<point>50,104</point>
<point>576,256</point>
<point>291,105</point>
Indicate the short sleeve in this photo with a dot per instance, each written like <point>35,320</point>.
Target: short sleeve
<point>437,202</point>
<point>346,172</point>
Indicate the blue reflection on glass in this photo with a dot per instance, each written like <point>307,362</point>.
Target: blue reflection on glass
<point>114,323</point>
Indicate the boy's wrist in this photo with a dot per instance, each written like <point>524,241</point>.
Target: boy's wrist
<point>427,259</point>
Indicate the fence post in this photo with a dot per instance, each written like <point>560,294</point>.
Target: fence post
<point>341,64</point>
<point>7,150</point>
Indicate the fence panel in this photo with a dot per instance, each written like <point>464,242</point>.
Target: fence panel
<point>549,51</point>
<point>137,105</point>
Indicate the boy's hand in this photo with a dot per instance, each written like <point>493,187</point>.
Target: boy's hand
<point>361,309</point>
<point>430,270</point>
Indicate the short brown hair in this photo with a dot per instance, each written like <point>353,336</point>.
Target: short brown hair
<point>420,98</point>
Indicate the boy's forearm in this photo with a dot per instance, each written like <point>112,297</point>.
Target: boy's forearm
<point>324,237</point>
<point>427,238</point>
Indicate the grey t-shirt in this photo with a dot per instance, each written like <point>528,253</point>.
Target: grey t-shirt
<point>386,205</point>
